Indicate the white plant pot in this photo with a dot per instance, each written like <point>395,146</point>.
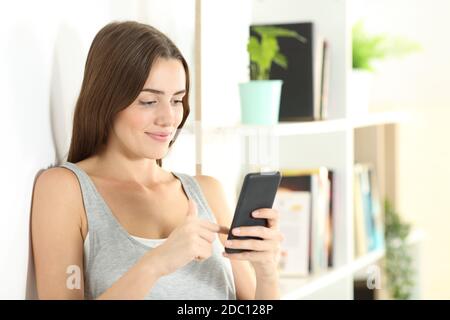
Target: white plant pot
<point>359,83</point>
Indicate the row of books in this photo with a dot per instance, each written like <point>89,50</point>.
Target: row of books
<point>304,202</point>
<point>368,215</point>
<point>304,94</point>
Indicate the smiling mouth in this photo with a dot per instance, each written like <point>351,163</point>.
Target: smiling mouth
<point>159,136</point>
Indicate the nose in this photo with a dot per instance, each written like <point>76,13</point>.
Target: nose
<point>165,114</point>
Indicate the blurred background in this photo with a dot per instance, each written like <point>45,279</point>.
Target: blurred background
<point>417,84</point>
<point>379,131</point>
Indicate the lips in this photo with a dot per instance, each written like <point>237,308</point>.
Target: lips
<point>159,136</point>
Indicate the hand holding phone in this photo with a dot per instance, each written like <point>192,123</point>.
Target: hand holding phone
<point>258,191</point>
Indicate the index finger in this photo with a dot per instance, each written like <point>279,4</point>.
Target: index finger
<point>224,230</point>
<point>214,227</point>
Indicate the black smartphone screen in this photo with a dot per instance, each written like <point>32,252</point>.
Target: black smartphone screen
<point>258,191</point>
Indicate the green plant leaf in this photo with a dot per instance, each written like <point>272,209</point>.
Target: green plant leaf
<point>254,49</point>
<point>281,60</point>
<point>368,48</point>
<point>398,262</point>
<point>253,45</point>
<point>275,32</point>
<point>269,48</point>
<point>265,51</point>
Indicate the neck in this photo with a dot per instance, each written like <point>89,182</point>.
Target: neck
<point>112,163</point>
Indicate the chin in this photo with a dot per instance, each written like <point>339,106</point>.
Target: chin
<point>153,150</point>
<point>155,155</point>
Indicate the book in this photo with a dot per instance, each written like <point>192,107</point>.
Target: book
<point>330,232</point>
<point>368,215</point>
<point>316,182</point>
<point>360,228</point>
<point>294,210</point>
<point>366,199</point>
<point>325,81</point>
<point>302,90</point>
<point>377,210</point>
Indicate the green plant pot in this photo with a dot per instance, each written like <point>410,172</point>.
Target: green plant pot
<point>260,101</point>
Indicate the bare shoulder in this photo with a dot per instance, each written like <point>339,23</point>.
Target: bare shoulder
<point>214,193</point>
<point>56,176</point>
<point>57,188</point>
<point>208,182</point>
<point>57,181</point>
<point>211,187</point>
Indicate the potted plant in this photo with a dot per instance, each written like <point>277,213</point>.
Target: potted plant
<point>260,97</point>
<point>398,261</point>
<point>366,49</point>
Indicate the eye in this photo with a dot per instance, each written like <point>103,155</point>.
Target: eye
<point>178,101</point>
<point>147,103</point>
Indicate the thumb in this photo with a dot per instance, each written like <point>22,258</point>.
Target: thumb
<point>192,209</point>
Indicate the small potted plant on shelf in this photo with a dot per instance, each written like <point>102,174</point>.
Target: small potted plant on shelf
<point>260,97</point>
<point>366,49</point>
<point>398,260</point>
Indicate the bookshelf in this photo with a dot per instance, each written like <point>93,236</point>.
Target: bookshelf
<point>293,288</point>
<point>313,127</point>
<point>223,145</point>
<point>304,288</point>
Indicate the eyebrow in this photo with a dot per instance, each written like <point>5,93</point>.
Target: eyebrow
<point>162,92</point>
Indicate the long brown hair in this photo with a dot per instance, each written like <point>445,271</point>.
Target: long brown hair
<point>117,66</point>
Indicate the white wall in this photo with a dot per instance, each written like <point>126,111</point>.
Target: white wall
<point>419,84</point>
<point>43,47</point>
<point>224,59</point>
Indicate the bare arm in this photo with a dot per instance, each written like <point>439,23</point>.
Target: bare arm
<point>244,275</point>
<point>249,282</point>
<point>56,234</point>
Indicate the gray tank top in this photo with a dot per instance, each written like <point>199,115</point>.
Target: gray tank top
<point>113,251</point>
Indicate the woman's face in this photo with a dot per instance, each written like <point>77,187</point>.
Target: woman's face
<point>145,128</point>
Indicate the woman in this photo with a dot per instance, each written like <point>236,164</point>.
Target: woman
<point>113,217</point>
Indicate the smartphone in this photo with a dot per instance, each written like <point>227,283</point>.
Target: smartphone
<point>258,191</point>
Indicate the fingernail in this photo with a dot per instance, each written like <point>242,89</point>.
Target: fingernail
<point>256,213</point>
<point>236,231</point>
